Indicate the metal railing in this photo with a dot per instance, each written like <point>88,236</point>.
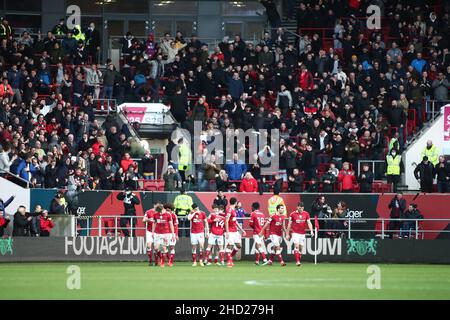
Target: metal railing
<point>433,109</point>
<point>14,178</point>
<point>111,226</point>
<point>377,166</point>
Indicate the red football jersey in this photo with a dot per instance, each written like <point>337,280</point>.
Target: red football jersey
<point>197,224</point>
<point>257,221</point>
<point>149,214</point>
<point>232,222</point>
<point>162,221</point>
<point>299,221</point>
<point>217,224</point>
<point>276,224</point>
<point>175,222</point>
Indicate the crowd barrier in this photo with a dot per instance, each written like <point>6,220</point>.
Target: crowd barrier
<point>70,249</point>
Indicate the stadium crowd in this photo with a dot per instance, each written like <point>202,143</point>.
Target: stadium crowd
<point>332,105</point>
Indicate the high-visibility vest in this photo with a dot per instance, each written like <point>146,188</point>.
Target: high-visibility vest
<point>80,35</point>
<point>185,156</point>
<point>272,204</point>
<point>391,144</point>
<point>393,165</point>
<point>432,154</point>
<point>183,204</point>
<point>3,30</point>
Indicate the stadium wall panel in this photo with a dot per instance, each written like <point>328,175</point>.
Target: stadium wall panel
<point>361,207</point>
<point>66,249</point>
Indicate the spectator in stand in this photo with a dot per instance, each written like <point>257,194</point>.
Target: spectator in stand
<point>440,86</point>
<point>410,225</point>
<point>442,171</point>
<point>220,199</point>
<point>248,184</point>
<point>222,183</point>
<point>365,179</point>
<point>295,181</point>
<point>21,227</point>
<point>398,207</point>
<point>148,166</point>
<point>235,168</point>
<point>328,180</point>
<point>431,152</point>
<point>130,200</point>
<point>172,180</point>
<point>424,173</point>
<point>58,204</point>
<point>347,178</point>
<point>46,224</point>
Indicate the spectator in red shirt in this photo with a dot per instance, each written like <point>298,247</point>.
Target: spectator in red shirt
<point>347,178</point>
<point>306,80</point>
<point>126,162</point>
<point>46,224</point>
<point>248,184</point>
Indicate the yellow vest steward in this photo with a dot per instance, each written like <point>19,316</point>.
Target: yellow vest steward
<point>432,154</point>
<point>393,165</point>
<point>273,202</point>
<point>185,156</point>
<point>183,203</point>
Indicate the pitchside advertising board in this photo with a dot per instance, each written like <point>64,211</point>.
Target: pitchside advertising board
<point>361,207</point>
<point>134,249</point>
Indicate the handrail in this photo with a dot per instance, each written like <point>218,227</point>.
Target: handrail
<point>134,220</point>
<point>288,31</point>
<point>17,177</point>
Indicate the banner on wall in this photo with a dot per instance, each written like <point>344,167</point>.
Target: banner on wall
<point>446,130</point>
<point>67,249</point>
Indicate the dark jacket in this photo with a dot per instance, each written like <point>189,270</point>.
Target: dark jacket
<point>397,207</point>
<point>424,172</point>
<point>365,184</point>
<point>129,203</point>
<point>21,225</point>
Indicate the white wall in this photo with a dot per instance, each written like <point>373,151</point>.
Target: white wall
<point>436,134</point>
<point>7,189</point>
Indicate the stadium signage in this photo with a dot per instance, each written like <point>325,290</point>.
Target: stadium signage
<point>362,247</point>
<point>104,246</point>
<point>325,246</point>
<point>6,245</point>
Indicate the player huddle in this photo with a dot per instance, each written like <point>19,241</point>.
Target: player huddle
<point>223,233</point>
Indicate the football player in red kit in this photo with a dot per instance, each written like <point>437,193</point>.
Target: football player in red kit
<point>276,229</point>
<point>298,221</point>
<point>232,236</point>
<point>162,231</point>
<point>257,221</point>
<point>148,219</point>
<point>173,241</point>
<point>217,221</point>
<point>199,226</point>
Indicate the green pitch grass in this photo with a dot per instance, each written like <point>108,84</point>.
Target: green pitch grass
<point>245,281</point>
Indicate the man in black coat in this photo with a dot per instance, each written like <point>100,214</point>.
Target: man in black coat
<point>424,173</point>
<point>130,200</point>
<point>21,227</point>
<point>398,207</point>
<point>365,179</point>
<point>93,41</point>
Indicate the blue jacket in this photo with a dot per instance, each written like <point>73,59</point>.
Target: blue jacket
<point>26,175</point>
<point>4,204</point>
<point>418,64</point>
<point>235,88</point>
<point>235,170</point>
<point>15,79</point>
